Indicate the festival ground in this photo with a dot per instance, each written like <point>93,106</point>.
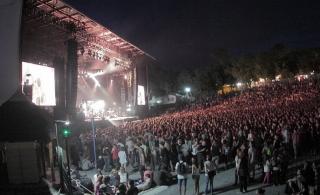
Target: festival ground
<point>223,184</point>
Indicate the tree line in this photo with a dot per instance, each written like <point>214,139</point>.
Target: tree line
<point>225,68</point>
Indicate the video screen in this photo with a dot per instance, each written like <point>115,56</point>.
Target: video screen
<point>41,79</point>
<point>141,95</point>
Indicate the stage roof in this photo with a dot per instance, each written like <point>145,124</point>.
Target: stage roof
<point>84,28</point>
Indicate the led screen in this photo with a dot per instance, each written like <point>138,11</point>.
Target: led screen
<point>141,95</point>
<point>41,79</point>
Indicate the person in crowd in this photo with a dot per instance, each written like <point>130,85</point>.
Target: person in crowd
<point>148,171</point>
<point>96,175</point>
<point>252,160</point>
<point>295,142</point>
<point>163,176</point>
<point>172,147</point>
<point>122,157</point>
<point>237,166</point>
<point>97,185</point>
<point>210,172</point>
<point>301,183</point>
<point>309,176</point>
<point>130,148</point>
<point>122,189</point>
<point>195,170</point>
<point>106,155</point>
<point>225,153</point>
<point>115,156</point>
<point>132,189</point>
<point>114,178</point>
<point>164,155</point>
<point>215,151</point>
<point>146,184</point>
<point>105,187</point>
<point>201,153</point>
<point>100,163</point>
<point>267,172</point>
<point>142,161</point>
<point>275,164</point>
<point>181,169</point>
<point>123,175</point>
<point>243,172</point>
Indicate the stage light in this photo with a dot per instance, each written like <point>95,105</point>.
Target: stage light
<point>67,123</point>
<point>98,106</point>
<point>158,101</point>
<point>239,84</point>
<point>94,79</point>
<point>187,89</point>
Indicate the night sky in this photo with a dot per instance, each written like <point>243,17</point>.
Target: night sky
<point>183,33</point>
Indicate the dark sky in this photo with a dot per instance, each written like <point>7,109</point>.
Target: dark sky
<point>184,32</point>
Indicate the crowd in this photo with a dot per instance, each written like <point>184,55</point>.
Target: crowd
<point>262,127</point>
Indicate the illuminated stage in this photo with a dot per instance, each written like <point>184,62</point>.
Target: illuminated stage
<point>90,62</point>
<point>114,121</point>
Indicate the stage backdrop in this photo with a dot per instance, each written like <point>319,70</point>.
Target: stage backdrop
<point>10,20</point>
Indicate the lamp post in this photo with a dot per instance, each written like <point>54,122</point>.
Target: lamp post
<point>94,142</point>
<point>67,123</point>
<point>187,90</point>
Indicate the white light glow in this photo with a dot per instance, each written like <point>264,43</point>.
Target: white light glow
<point>97,106</point>
<point>187,89</point>
<point>141,95</point>
<point>92,76</point>
<point>239,84</point>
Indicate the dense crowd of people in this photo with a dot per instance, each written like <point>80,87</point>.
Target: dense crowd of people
<point>262,127</point>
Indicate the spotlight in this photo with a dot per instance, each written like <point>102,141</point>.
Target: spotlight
<point>187,89</point>
<point>94,79</point>
<point>239,84</point>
